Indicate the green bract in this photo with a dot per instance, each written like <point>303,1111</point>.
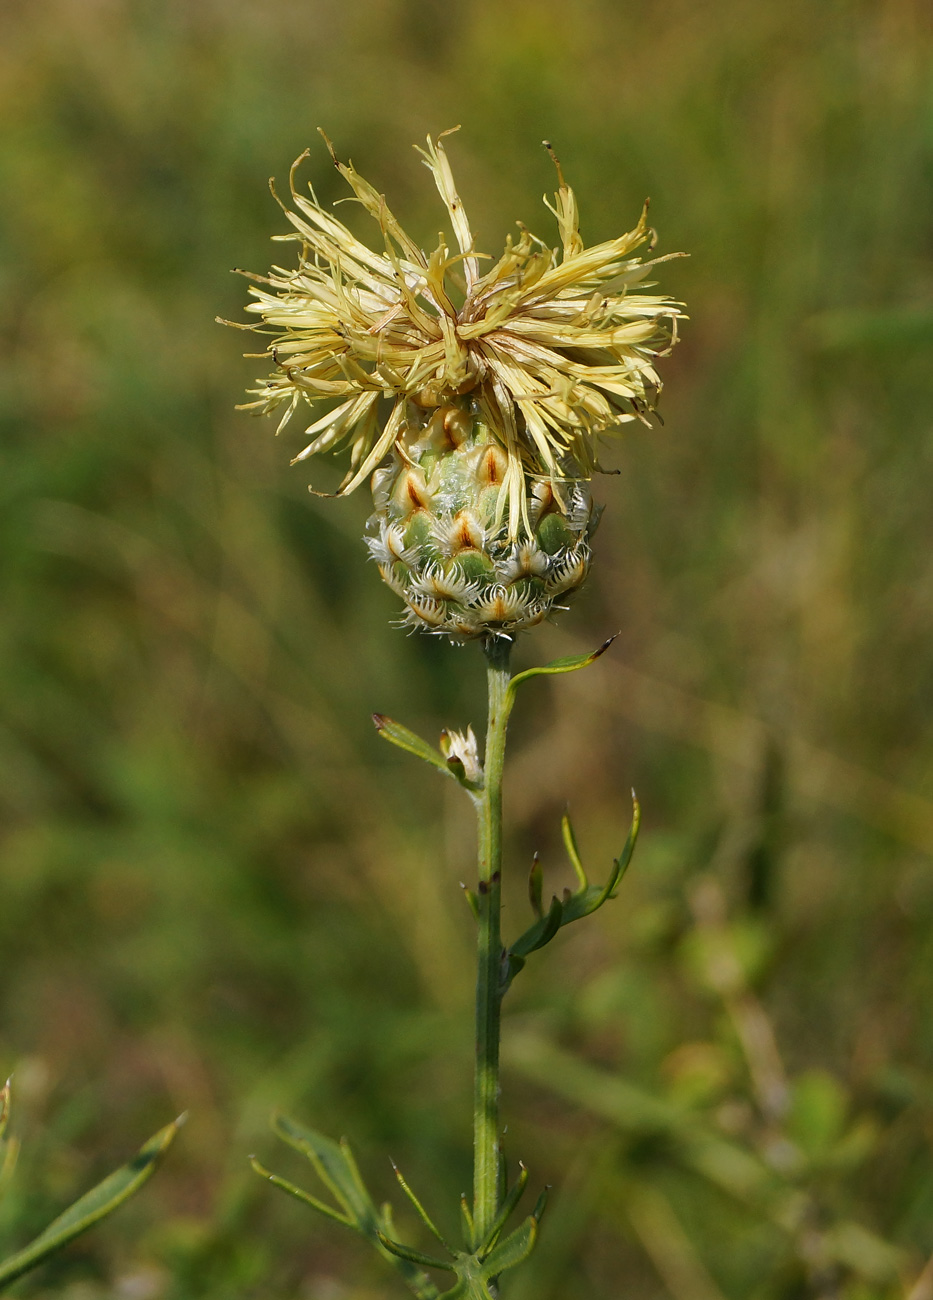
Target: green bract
<point>441,543</point>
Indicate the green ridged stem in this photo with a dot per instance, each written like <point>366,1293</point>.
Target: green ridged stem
<point>489,983</point>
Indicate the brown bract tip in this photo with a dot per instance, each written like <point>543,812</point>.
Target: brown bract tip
<point>606,644</point>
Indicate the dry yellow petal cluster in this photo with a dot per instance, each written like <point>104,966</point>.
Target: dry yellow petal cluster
<point>549,349</point>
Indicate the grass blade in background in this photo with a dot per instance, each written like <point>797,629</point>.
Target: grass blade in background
<point>95,1205</point>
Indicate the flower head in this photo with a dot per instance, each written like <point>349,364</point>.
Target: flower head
<point>460,747</point>
<point>549,348</point>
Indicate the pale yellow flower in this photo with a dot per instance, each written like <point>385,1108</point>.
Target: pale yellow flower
<point>551,348</point>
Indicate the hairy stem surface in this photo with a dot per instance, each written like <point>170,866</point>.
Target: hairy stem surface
<point>489,946</point>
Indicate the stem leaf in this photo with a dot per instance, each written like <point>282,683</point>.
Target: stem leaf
<point>413,1256</point>
<point>573,853</point>
<point>301,1195</point>
<point>419,1208</point>
<point>508,1205</point>
<point>411,743</point>
<point>330,1165</point>
<point>467,1217</point>
<point>541,933</point>
<point>514,1250</point>
<point>334,1164</point>
<point>568,664</point>
<point>472,899</point>
<point>574,906</point>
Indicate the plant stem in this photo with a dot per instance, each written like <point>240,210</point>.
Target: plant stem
<point>489,946</point>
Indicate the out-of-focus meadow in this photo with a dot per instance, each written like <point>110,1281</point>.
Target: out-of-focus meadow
<point>219,892</point>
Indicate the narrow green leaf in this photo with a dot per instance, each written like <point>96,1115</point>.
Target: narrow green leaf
<point>331,1167</point>
<point>413,744</point>
<point>92,1207</point>
<point>542,932</point>
<point>335,1166</point>
<point>570,664</point>
<point>586,901</point>
<point>508,1205</point>
<point>418,1207</point>
<point>413,1256</point>
<point>466,1215</point>
<point>573,853</point>
<point>470,896</point>
<point>354,1170</point>
<point>625,856</point>
<point>386,1220</point>
<point>572,907</point>
<point>301,1195</point>
<point>514,1250</point>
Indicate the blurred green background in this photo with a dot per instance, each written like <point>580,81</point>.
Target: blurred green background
<point>221,893</point>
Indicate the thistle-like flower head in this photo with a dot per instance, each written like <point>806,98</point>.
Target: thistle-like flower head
<point>549,348</point>
<point>460,747</point>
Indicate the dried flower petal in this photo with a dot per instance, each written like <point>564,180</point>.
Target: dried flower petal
<point>550,348</point>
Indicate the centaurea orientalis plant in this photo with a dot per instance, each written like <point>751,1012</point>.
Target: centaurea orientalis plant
<point>474,401</point>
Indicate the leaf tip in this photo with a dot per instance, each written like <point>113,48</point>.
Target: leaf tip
<point>606,644</point>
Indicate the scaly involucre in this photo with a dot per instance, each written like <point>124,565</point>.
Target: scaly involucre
<point>551,347</point>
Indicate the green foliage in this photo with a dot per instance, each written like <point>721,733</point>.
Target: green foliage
<point>573,906</point>
<point>478,1267</point>
<point>783,1150</point>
